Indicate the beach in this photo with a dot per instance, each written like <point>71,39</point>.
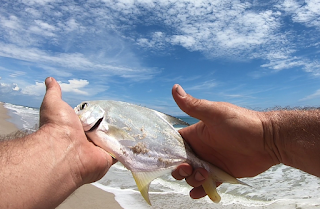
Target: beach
<point>5,126</point>
<point>87,196</point>
<point>280,187</point>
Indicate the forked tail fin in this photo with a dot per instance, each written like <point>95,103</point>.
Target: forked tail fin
<point>218,175</point>
<point>210,188</point>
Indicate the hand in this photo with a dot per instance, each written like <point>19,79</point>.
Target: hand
<point>88,163</point>
<point>228,136</point>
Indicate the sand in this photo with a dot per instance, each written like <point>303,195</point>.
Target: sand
<point>87,196</point>
<point>5,126</point>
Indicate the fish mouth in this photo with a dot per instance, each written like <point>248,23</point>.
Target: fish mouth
<point>96,125</point>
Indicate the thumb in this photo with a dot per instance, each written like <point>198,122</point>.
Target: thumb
<point>53,90</point>
<point>197,108</point>
<point>53,94</point>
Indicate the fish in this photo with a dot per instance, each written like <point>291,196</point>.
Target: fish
<point>145,142</point>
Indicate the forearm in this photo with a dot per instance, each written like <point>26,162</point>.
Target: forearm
<point>34,172</point>
<point>295,136</point>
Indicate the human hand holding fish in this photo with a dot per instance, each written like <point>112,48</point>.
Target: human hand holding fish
<point>145,142</point>
<point>229,141</point>
<point>41,169</point>
<point>228,136</point>
<point>245,143</point>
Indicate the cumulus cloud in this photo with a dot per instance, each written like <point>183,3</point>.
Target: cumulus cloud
<point>74,86</point>
<point>37,89</point>
<point>8,88</point>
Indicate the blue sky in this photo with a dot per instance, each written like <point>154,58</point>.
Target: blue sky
<point>256,54</point>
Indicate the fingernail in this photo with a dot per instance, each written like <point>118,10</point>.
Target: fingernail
<point>48,80</point>
<point>183,173</point>
<point>198,176</point>
<point>180,91</point>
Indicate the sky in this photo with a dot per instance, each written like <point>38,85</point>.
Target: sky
<point>256,54</point>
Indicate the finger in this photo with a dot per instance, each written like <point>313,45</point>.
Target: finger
<point>53,94</point>
<point>196,108</point>
<point>53,89</point>
<point>102,162</point>
<point>182,171</point>
<point>197,193</point>
<point>191,133</point>
<point>198,177</point>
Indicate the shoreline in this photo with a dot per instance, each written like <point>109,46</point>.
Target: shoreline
<point>6,127</point>
<point>87,196</point>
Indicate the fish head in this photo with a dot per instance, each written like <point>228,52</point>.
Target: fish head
<point>90,115</point>
<point>93,116</point>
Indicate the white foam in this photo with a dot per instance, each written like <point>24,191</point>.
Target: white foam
<point>23,117</point>
<point>125,197</point>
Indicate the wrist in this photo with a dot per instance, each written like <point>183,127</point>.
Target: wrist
<point>39,167</point>
<point>296,137</point>
<point>271,138</point>
<point>61,150</point>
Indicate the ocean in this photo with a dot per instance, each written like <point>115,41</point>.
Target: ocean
<point>279,187</point>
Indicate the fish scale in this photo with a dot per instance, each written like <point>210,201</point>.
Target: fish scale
<point>145,142</point>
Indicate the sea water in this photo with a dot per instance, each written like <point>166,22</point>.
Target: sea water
<point>23,117</point>
<point>279,187</point>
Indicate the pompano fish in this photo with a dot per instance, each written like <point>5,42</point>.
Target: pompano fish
<point>145,142</point>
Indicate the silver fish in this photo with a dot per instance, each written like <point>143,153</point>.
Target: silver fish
<point>145,142</point>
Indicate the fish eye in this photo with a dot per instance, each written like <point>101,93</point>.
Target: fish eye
<point>83,105</point>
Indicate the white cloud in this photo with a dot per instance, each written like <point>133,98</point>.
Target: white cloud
<point>15,87</point>
<point>312,96</point>
<point>75,86</point>
<point>282,63</point>
<point>36,90</point>
<point>203,86</point>
<point>73,62</point>
<point>42,28</point>
<point>17,74</point>
<point>35,2</point>
<point>217,29</point>
<point>8,88</point>
<point>55,71</point>
<point>83,34</point>
<point>305,12</point>
<point>185,41</point>
<point>11,22</point>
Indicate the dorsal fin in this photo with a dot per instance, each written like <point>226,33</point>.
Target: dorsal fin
<point>172,120</point>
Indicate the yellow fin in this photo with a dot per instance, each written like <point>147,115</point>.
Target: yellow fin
<point>210,188</point>
<point>143,180</point>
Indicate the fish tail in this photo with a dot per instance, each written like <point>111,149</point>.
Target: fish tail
<point>243,183</point>
<point>211,189</point>
<point>217,175</point>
